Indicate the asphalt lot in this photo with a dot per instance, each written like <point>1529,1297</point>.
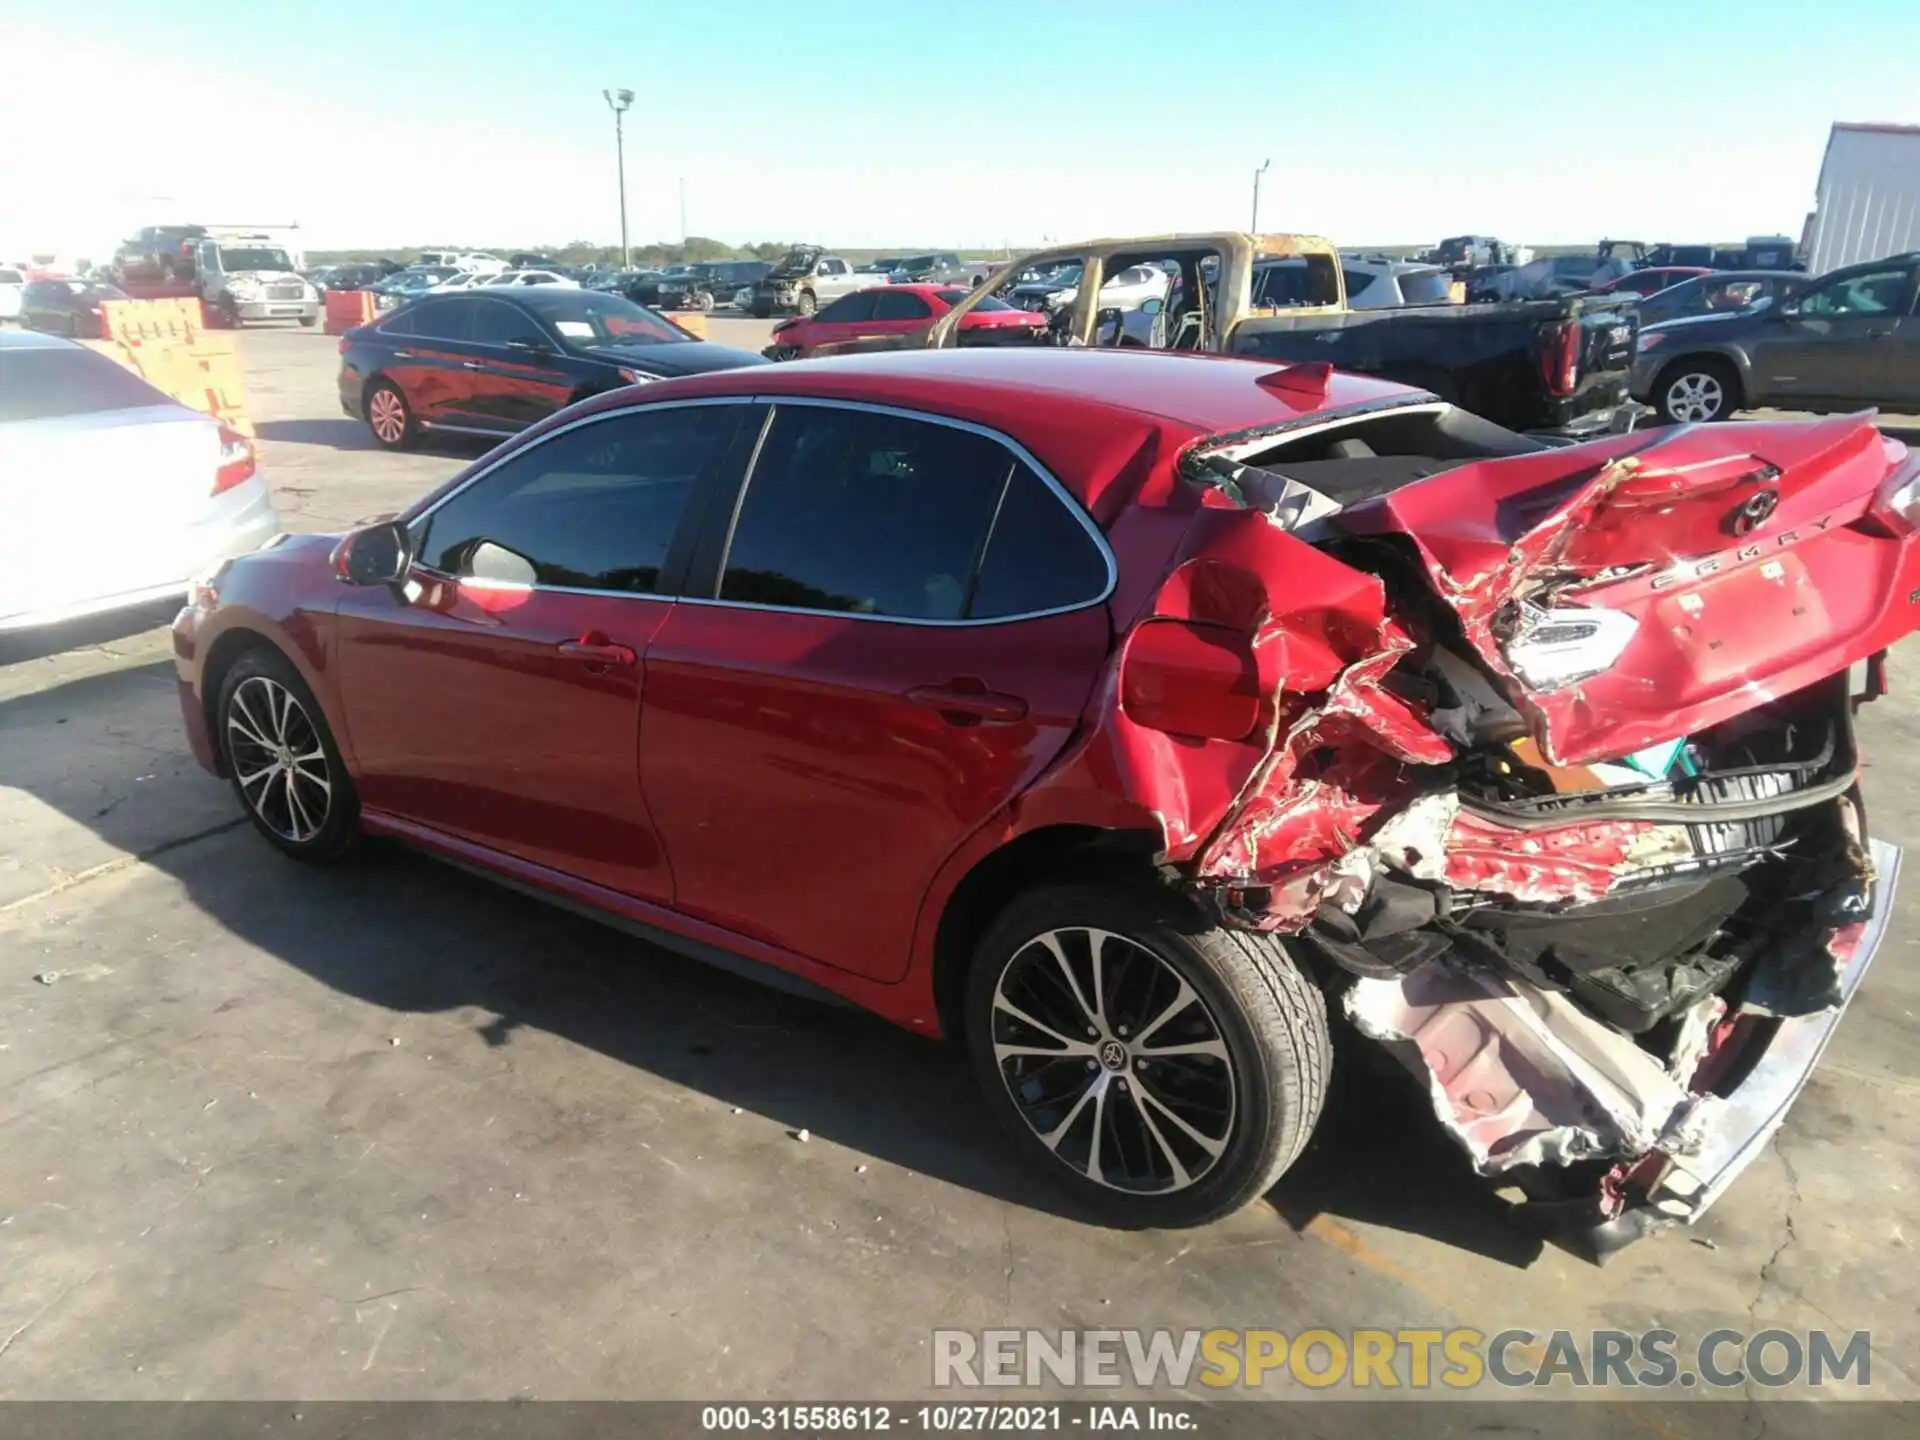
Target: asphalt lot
<point>388,1131</point>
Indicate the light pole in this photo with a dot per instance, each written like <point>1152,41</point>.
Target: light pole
<point>1256,194</point>
<point>618,101</point>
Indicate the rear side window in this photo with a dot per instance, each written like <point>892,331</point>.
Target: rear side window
<point>443,320</point>
<point>900,305</point>
<point>857,306</point>
<point>42,384</point>
<point>1428,287</point>
<point>1040,556</point>
<point>594,508</point>
<point>871,514</point>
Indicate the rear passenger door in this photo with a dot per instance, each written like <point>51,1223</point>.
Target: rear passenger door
<point>427,356</point>
<point>888,634</point>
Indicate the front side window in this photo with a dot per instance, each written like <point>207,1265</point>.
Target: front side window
<point>1882,292</point>
<point>495,323</point>
<point>594,508</point>
<point>866,513</point>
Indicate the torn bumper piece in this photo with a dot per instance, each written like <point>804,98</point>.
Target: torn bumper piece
<point>1522,1076</point>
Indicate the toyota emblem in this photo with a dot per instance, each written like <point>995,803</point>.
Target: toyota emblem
<point>1752,513</point>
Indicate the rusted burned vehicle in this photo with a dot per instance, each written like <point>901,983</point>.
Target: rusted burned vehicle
<point>1557,367</point>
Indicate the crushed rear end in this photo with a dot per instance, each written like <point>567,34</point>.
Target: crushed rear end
<point>1545,757</point>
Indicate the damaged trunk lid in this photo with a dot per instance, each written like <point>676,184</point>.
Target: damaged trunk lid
<point>1652,585</point>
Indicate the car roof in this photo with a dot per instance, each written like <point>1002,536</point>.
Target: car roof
<point>1083,412</point>
<point>34,340</point>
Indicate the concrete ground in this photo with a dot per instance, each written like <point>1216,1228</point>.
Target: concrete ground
<point>389,1131</point>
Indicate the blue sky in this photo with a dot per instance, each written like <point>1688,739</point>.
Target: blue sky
<point>384,122</point>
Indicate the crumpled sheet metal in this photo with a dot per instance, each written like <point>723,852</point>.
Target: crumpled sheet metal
<point>1639,523</point>
<point>1523,1076</point>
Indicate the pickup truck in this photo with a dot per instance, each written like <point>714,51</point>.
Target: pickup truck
<point>804,279</point>
<point>1556,367</point>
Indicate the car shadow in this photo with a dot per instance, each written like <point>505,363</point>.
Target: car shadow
<point>397,929</point>
<point>344,433</point>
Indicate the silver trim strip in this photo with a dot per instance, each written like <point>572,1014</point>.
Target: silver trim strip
<point>1060,492</point>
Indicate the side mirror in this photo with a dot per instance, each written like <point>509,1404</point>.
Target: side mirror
<point>1152,305</point>
<point>374,555</point>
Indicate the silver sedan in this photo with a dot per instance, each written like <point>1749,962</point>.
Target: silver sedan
<point>114,495</point>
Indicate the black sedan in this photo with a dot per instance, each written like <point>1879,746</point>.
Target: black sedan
<point>66,307</point>
<point>1722,293</point>
<point>495,362</point>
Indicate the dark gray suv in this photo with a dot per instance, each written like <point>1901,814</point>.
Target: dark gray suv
<point>1849,341</point>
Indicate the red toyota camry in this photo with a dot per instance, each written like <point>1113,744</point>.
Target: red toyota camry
<point>1129,715</point>
<point>875,318</point>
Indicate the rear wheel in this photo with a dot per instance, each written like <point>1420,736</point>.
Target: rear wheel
<point>282,759</point>
<point>1163,1070</point>
<point>806,304</point>
<point>390,418</point>
<point>1696,391</point>
<point>704,302</point>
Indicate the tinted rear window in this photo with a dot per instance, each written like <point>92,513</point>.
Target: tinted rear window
<point>1430,288</point>
<point>41,384</point>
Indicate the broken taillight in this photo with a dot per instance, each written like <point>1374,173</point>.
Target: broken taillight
<point>1896,504</point>
<point>1190,679</point>
<point>1560,357</point>
<point>1553,648</point>
<point>236,460</point>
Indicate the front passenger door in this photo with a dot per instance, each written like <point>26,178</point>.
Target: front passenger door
<point>517,373</point>
<point>1836,345</point>
<point>495,699</point>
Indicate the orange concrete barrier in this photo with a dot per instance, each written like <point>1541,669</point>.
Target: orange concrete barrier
<point>349,308</point>
<point>167,344</point>
<point>149,322</point>
<point>693,322</point>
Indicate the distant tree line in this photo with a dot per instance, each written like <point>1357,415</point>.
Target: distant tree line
<point>693,250</point>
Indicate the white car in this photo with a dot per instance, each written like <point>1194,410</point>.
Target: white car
<point>150,493</point>
<point>530,277</point>
<point>465,280</point>
<point>1127,289</point>
<point>13,280</point>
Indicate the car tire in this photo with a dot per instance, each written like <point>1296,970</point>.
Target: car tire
<point>1696,391</point>
<point>390,418</point>
<point>806,304</point>
<point>762,309</point>
<point>783,352</point>
<point>307,321</point>
<point>1227,1106</point>
<point>282,761</point>
<point>705,302</point>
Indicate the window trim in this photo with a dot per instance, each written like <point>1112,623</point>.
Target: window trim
<point>682,541</point>
<point>709,580</point>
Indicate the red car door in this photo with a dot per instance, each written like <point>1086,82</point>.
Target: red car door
<point>892,651</point>
<point>496,696</point>
<point>427,355</point>
<point>836,326</point>
<point>897,315</point>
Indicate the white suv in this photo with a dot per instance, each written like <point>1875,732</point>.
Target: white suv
<point>13,280</point>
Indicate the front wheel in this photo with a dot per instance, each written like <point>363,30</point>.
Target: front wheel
<point>308,320</point>
<point>806,304</point>
<point>783,352</point>
<point>704,302</point>
<point>1694,392</point>
<point>1163,1070</point>
<point>282,760</point>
